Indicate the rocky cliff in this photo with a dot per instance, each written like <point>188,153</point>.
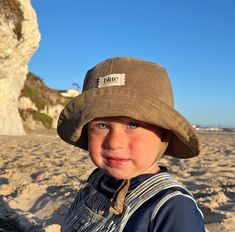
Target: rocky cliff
<point>39,105</point>
<point>19,38</point>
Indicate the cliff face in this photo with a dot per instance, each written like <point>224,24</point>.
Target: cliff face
<point>39,105</point>
<point>19,38</point>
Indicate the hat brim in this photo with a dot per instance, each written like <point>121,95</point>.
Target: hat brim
<point>116,101</point>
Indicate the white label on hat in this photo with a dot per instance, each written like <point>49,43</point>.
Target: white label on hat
<point>115,79</point>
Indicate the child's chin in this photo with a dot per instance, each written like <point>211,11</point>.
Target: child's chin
<point>119,176</point>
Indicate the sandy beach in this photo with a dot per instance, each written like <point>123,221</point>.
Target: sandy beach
<point>40,175</point>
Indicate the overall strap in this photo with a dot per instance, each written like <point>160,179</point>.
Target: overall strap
<point>146,191</point>
<point>153,186</point>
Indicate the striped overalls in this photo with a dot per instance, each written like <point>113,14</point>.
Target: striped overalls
<point>90,209</point>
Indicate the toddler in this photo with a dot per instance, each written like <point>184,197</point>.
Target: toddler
<point>126,120</point>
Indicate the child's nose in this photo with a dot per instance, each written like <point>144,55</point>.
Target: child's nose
<point>115,139</point>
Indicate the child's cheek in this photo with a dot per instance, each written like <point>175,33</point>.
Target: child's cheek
<point>94,148</point>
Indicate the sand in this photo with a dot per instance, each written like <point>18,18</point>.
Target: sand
<point>40,175</point>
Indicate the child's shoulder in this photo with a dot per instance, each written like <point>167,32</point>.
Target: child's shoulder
<point>180,209</point>
<point>161,197</point>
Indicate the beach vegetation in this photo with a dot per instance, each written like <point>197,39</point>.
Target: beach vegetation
<point>45,119</point>
<point>31,93</point>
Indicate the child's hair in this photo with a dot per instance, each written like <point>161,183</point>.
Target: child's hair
<point>123,86</point>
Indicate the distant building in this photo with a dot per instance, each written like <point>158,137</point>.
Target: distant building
<point>204,128</point>
<point>69,93</point>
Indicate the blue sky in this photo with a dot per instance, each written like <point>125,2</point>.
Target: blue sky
<point>193,39</point>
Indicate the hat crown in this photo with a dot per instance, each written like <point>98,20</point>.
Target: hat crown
<point>144,78</point>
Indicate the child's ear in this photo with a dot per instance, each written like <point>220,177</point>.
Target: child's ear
<point>166,137</point>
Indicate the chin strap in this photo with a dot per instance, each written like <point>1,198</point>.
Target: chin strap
<point>117,203</point>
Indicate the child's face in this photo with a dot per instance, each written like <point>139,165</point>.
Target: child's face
<point>123,147</point>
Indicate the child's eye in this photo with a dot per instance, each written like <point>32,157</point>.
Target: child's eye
<point>133,125</point>
<point>102,126</point>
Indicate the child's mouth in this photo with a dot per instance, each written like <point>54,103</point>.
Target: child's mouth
<point>116,162</point>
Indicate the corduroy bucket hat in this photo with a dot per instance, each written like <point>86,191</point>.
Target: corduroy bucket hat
<point>123,86</point>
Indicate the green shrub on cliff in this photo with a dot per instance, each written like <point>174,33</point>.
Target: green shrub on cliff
<point>43,98</point>
<point>29,92</point>
<point>44,118</point>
